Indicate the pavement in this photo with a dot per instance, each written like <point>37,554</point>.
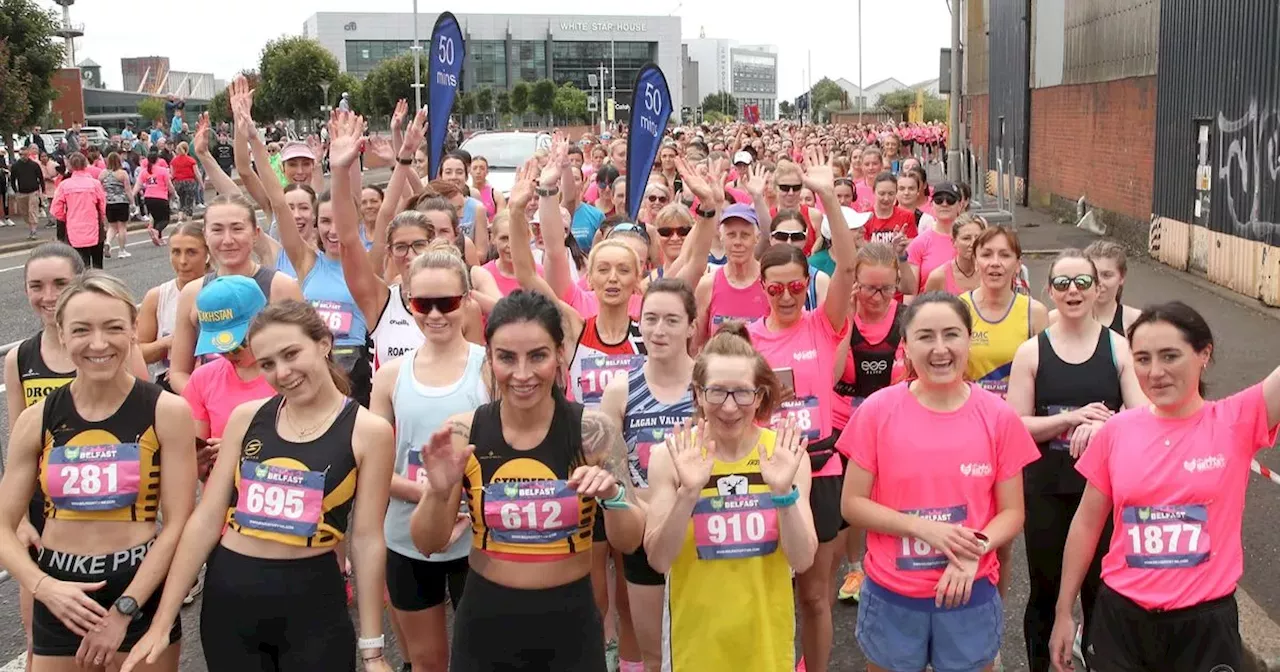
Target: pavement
<point>1245,334</point>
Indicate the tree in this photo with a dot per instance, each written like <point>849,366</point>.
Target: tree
<point>827,95</point>
<point>935,108</point>
<point>520,97</point>
<point>786,109</point>
<point>571,103</point>
<point>292,69</point>
<point>33,55</point>
<point>722,102</point>
<point>220,107</point>
<point>715,117</point>
<point>484,103</point>
<point>897,102</point>
<point>151,109</point>
<point>344,83</point>
<point>543,97</point>
<point>388,82</point>
<point>464,105</point>
<point>502,101</point>
<point>15,86</point>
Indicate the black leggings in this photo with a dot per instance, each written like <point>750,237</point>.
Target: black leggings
<point>91,255</point>
<point>276,615</point>
<point>1047,522</point>
<point>501,629</point>
<point>159,211</point>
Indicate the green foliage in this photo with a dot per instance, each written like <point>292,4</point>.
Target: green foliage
<point>33,56</point>
<point>520,94</point>
<point>484,100</point>
<point>542,98</point>
<point>387,83</point>
<point>464,104</point>
<point>715,117</point>
<point>345,82</point>
<point>826,92</point>
<point>292,69</point>
<point>722,102</point>
<point>220,107</point>
<point>897,102</point>
<point>502,101</point>
<point>571,104</point>
<point>151,109</point>
<point>935,108</point>
<point>786,109</point>
<point>15,86</point>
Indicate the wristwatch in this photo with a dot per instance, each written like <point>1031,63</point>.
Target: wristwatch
<point>985,541</point>
<point>546,191</point>
<point>705,214</point>
<point>127,606</point>
<point>404,162</point>
<point>370,643</point>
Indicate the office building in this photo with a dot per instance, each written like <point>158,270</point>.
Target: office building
<point>749,72</point>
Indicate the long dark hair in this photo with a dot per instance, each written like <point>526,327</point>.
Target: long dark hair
<point>1191,324</point>
<point>524,306</point>
<point>300,314</point>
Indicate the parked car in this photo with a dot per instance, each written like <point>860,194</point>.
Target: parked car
<point>95,136</point>
<point>505,151</point>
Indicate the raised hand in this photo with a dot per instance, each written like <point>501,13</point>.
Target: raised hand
<point>550,174</point>
<point>200,142</point>
<point>443,464</point>
<point>345,138</point>
<point>702,187</point>
<point>691,454</point>
<point>414,135</point>
<point>757,179</point>
<point>818,174</point>
<point>401,111</point>
<point>380,147</point>
<point>522,190</point>
<point>779,468</point>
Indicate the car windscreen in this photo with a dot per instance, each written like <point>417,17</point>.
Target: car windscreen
<point>502,151</point>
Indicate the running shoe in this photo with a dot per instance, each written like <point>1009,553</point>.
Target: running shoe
<point>155,236</point>
<point>123,254</point>
<point>1077,647</point>
<point>611,655</point>
<point>800,665</point>
<point>195,590</point>
<point>106,251</point>
<point>851,589</point>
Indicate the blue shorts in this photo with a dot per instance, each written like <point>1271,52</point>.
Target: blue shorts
<point>905,634</point>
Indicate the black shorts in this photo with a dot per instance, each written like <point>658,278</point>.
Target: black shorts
<point>355,361</point>
<point>824,501</point>
<point>598,535</point>
<point>636,569</point>
<point>1124,637</point>
<point>261,614</point>
<point>417,585</point>
<point>501,628</point>
<point>158,208</point>
<point>117,213</point>
<point>49,637</point>
<point>35,512</point>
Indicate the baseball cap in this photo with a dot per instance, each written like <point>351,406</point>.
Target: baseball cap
<point>947,188</point>
<point>296,150</point>
<point>742,157</point>
<point>740,211</point>
<point>225,307</point>
<point>855,220</point>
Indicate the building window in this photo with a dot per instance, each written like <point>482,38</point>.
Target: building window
<point>573,61</point>
<point>364,55</point>
<point>489,60</point>
<point>531,60</point>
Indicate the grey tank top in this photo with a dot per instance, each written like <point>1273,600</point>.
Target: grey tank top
<point>116,192</point>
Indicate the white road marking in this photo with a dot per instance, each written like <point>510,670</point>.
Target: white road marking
<point>18,664</point>
<point>14,268</point>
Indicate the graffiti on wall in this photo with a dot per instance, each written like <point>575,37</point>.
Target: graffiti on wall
<point>1248,169</point>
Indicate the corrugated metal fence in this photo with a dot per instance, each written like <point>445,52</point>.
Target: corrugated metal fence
<point>1009,120</point>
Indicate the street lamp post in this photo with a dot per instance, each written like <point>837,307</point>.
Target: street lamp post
<point>324,104</point>
<point>954,170</point>
<point>862,95</point>
<point>417,61</point>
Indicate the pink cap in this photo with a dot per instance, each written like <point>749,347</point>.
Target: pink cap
<point>296,150</point>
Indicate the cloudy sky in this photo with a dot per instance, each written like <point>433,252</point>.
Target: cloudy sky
<point>902,37</point>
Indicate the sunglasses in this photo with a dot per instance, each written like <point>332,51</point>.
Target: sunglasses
<point>628,227</point>
<point>1061,283</point>
<point>789,236</point>
<point>655,198</point>
<point>668,231</point>
<point>795,287</point>
<point>945,199</point>
<point>445,304</point>
<point>790,188</point>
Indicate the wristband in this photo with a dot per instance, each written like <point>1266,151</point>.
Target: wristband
<point>546,192</point>
<point>788,499</point>
<point>617,502</point>
<point>985,541</point>
<point>404,162</point>
<point>368,643</point>
<point>705,214</point>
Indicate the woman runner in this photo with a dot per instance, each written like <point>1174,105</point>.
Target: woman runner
<point>158,314</point>
<point>960,274</point>
<point>1113,268</point>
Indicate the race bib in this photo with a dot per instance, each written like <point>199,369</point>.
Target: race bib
<point>1063,440</point>
<point>717,320</point>
<point>735,526</point>
<point>279,499</point>
<point>531,512</point>
<point>1000,387</point>
<point>646,439</point>
<point>336,316</point>
<point>1166,537</point>
<point>94,478</point>
<point>597,372</point>
<point>414,470</point>
<point>915,554</point>
<point>805,412</point>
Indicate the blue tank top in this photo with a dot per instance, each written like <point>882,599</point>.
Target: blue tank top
<point>326,289</point>
<point>420,411</point>
<point>284,265</point>
<point>467,222</point>
<point>811,298</point>
<point>646,422</point>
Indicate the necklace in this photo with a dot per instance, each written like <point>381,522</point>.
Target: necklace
<point>303,433</point>
<point>961,270</point>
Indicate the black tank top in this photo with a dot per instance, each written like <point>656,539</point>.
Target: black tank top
<point>1117,320</point>
<point>562,520</point>
<point>1065,387</point>
<point>299,494</point>
<point>874,361</point>
<point>38,380</point>
<point>263,276</point>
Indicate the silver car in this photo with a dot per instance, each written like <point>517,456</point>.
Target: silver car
<point>505,151</point>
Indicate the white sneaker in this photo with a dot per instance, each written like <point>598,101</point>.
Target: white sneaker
<point>196,589</point>
<point>123,254</point>
<point>9,222</point>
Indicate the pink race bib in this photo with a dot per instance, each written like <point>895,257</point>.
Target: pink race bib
<point>916,555</point>
<point>1165,537</point>
<point>414,470</point>
<point>1063,440</point>
<point>531,512</point>
<point>805,412</point>
<point>597,372</point>
<point>279,499</point>
<point>336,316</point>
<point>1000,387</point>
<point>94,478</point>
<point>735,526</point>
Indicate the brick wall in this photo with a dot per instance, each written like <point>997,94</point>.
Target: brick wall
<point>1097,141</point>
<point>68,107</point>
<point>977,114</point>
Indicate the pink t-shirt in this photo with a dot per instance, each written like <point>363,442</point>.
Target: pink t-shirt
<point>215,390</point>
<point>155,183</point>
<point>808,349</point>
<point>864,196</point>
<point>1177,489</point>
<point>505,284</point>
<point>928,251</point>
<point>943,466</point>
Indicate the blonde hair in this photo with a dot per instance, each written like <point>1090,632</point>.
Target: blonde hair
<point>441,254</point>
<point>875,254</point>
<point>786,168</point>
<point>100,283</point>
<point>676,214</point>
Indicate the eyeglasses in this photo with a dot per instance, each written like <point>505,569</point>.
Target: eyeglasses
<point>790,188</point>
<point>741,397</point>
<point>789,236</point>
<point>425,304</point>
<point>1061,283</point>
<point>795,287</point>
<point>668,231</point>
<point>418,247</point>
<point>872,290</point>
<point>945,199</point>
<point>655,198</point>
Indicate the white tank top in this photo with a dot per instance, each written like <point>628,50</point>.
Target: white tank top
<point>397,333</point>
<point>166,319</point>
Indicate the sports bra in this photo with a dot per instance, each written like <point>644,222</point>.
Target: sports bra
<point>297,494</point>
<point>646,421</point>
<point>595,362</point>
<point>263,276</point>
<point>522,507</point>
<point>106,470</point>
<point>396,332</point>
<point>38,380</point>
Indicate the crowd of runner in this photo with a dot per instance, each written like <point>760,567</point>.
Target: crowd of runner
<point>803,373</point>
